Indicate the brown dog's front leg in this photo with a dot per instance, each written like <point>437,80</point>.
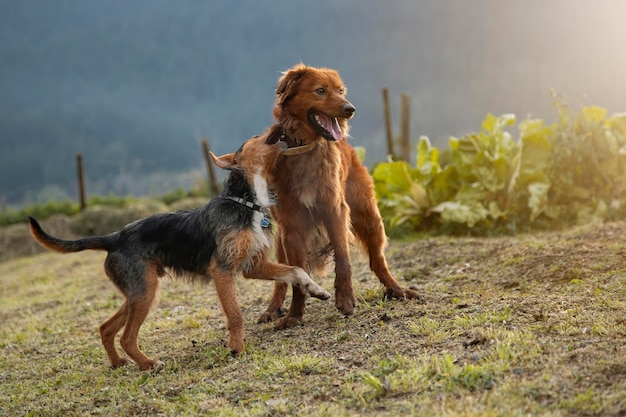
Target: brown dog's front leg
<point>275,309</point>
<point>295,255</point>
<point>337,227</point>
<point>296,310</point>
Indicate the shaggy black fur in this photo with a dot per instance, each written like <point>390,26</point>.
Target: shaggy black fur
<point>183,241</point>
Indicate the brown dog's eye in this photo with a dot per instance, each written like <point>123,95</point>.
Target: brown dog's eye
<point>321,91</point>
<point>342,91</point>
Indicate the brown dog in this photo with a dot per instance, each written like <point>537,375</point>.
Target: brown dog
<point>324,193</point>
<point>228,235</point>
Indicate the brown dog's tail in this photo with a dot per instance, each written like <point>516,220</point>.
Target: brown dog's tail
<point>66,246</point>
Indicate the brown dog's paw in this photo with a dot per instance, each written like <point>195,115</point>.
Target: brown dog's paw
<point>414,295</point>
<point>402,293</point>
<point>119,363</point>
<point>271,315</point>
<point>157,366</point>
<point>287,322</point>
<point>345,303</point>
<point>152,365</point>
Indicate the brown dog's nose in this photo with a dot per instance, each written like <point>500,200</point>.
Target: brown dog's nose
<point>348,109</point>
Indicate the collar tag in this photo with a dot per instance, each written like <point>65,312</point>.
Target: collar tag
<point>265,222</point>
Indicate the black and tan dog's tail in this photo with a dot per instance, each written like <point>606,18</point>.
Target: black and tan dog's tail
<point>66,246</point>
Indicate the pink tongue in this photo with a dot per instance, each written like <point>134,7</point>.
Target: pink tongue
<point>335,130</point>
<point>332,125</point>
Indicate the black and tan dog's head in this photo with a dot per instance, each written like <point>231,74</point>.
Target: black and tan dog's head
<point>311,102</point>
<point>256,159</point>
<point>258,154</point>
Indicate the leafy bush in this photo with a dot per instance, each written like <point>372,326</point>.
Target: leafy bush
<point>587,168</point>
<point>569,173</point>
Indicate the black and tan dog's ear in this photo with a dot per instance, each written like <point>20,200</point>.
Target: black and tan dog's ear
<point>287,83</point>
<point>225,161</point>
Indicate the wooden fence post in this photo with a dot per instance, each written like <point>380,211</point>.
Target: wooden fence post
<point>405,138</point>
<point>209,167</point>
<point>81,183</point>
<point>388,129</point>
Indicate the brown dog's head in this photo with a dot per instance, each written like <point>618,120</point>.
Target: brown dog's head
<point>311,102</point>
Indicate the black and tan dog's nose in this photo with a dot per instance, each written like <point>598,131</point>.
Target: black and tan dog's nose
<point>348,109</point>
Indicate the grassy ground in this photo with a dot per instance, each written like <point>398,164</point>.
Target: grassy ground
<point>530,325</point>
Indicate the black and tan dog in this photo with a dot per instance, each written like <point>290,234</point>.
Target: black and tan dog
<point>228,235</point>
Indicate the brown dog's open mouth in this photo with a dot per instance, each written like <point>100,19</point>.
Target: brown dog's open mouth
<point>327,126</point>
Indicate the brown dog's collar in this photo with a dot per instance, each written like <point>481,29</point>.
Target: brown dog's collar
<point>297,150</point>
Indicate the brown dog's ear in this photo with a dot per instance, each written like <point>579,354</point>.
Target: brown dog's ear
<point>287,83</point>
<point>225,161</point>
<point>275,135</point>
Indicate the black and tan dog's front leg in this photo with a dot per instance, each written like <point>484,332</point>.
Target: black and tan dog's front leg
<point>275,309</point>
<point>226,291</point>
<point>293,275</point>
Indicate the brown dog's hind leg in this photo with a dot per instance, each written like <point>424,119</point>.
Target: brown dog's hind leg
<point>369,229</point>
<point>108,331</point>
<point>372,235</point>
<point>138,308</point>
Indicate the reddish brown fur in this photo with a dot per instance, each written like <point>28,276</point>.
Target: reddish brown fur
<point>327,188</point>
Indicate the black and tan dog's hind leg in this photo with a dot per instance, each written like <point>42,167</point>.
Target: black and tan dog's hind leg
<point>133,312</point>
<point>109,329</point>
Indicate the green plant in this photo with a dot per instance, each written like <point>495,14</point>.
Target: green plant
<point>571,172</point>
<point>587,169</point>
<point>473,188</point>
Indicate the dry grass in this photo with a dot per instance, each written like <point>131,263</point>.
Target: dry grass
<point>531,325</point>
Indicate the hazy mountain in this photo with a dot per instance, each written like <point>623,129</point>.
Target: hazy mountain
<point>134,85</point>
